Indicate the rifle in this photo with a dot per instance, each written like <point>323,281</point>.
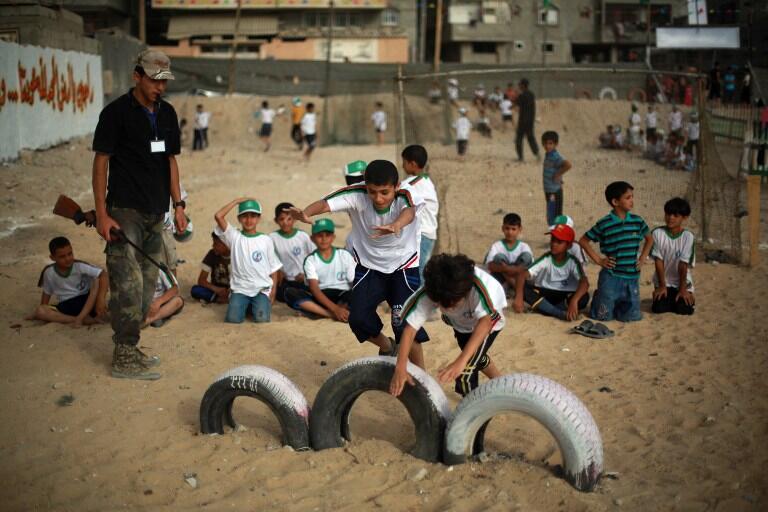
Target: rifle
<point>67,207</point>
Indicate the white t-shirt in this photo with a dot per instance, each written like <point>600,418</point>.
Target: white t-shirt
<point>545,272</point>
<point>427,215</point>
<point>253,261</point>
<point>453,92</point>
<point>650,120</point>
<point>165,281</point>
<point>635,120</point>
<point>510,252</point>
<point>309,123</point>
<point>337,273</point>
<point>506,107</point>
<point>75,283</point>
<point>693,131</point>
<point>292,249</point>
<point>486,298</point>
<point>577,252</point>
<point>462,126</point>
<point>671,250</point>
<point>675,120</point>
<point>267,115</point>
<point>379,119</point>
<point>202,119</point>
<point>387,253</point>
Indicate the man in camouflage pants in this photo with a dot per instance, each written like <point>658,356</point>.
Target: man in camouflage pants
<point>134,175</point>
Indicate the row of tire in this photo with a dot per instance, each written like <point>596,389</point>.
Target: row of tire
<point>441,435</point>
<point>609,93</point>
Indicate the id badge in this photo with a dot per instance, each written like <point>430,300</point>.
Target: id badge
<point>157,146</point>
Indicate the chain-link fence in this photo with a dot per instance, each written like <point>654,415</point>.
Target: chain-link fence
<point>579,104</point>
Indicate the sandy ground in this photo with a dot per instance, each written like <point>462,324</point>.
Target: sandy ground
<point>680,401</point>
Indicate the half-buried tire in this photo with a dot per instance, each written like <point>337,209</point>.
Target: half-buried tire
<point>425,401</point>
<point>265,384</point>
<point>546,401</point>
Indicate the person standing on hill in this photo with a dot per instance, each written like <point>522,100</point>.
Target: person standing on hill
<point>526,103</point>
<point>134,174</point>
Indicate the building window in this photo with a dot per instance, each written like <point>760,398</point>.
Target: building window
<point>340,19</point>
<point>483,47</point>
<point>390,17</point>
<point>549,16</point>
<point>548,47</point>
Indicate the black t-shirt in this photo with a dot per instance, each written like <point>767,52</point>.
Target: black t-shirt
<point>218,268</point>
<point>138,178</point>
<point>526,102</point>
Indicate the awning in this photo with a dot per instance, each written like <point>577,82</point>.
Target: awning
<point>184,27</point>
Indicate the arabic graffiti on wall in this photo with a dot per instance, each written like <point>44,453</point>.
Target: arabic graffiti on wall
<point>47,96</point>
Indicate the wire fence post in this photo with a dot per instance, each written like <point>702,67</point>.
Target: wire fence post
<point>401,110</point>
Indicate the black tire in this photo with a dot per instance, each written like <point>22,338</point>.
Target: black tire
<point>426,403</point>
<point>544,400</point>
<point>271,387</point>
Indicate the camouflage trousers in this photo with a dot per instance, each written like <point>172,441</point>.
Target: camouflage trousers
<point>132,277</point>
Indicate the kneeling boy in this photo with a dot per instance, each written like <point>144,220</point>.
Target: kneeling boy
<point>555,285</point>
<point>166,302</point>
<point>216,265</point>
<point>81,288</point>
<point>674,256</point>
<point>471,302</point>
<point>254,262</point>
<point>329,273</point>
<point>292,247</point>
<point>509,257</point>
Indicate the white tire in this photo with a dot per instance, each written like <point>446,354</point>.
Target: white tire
<point>544,400</point>
<point>608,91</point>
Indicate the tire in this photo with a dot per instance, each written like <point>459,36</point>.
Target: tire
<point>426,403</point>
<point>637,95</point>
<point>271,387</point>
<point>583,94</point>
<point>608,91</point>
<point>546,401</point>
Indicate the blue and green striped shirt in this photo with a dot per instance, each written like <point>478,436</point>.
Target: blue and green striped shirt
<point>620,239</point>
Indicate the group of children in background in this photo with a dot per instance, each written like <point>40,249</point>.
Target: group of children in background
<point>388,257</point>
<point>679,150</point>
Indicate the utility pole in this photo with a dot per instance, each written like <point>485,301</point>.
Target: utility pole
<point>422,30</point>
<point>438,35</point>
<point>327,85</point>
<point>648,34</point>
<point>143,21</point>
<point>231,79</point>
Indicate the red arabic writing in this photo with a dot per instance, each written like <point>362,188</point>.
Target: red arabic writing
<point>58,92</point>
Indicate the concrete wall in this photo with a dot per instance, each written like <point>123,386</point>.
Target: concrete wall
<point>52,28</point>
<point>47,96</point>
<point>118,57</point>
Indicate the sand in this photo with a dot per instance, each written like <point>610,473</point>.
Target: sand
<point>680,401</point>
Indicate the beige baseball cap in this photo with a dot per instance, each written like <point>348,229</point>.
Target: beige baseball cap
<point>156,64</point>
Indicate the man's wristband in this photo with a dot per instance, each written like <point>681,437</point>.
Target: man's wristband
<point>181,203</point>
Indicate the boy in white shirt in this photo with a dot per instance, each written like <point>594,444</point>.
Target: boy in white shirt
<point>576,251</point>
<point>555,285</point>
<point>379,119</point>
<point>329,272</point>
<point>472,302</point>
<point>385,243</point>
<point>651,122</point>
<point>309,129</point>
<point>202,119</point>
<point>694,131</point>
<point>462,126</point>
<point>253,277</point>
<point>79,287</point>
<point>166,302</point>
<point>292,246</point>
<point>674,255</point>
<point>509,257</point>
<point>414,164</point>
<point>676,121</point>
<point>506,112</point>
<point>267,118</point>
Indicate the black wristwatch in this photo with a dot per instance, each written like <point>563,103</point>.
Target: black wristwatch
<point>181,203</point>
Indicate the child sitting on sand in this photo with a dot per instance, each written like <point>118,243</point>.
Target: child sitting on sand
<point>79,287</point>
<point>555,285</point>
<point>674,255</point>
<point>253,280</point>
<point>216,266</point>
<point>329,273</point>
<point>471,302</point>
<point>509,257</point>
<point>166,301</point>
<point>292,246</point>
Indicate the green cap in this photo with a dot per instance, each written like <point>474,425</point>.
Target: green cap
<point>321,225</point>
<point>250,205</point>
<point>355,168</point>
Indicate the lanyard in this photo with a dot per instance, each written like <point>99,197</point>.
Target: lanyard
<point>153,118</point>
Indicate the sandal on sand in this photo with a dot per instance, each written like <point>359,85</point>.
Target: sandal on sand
<point>592,330</point>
